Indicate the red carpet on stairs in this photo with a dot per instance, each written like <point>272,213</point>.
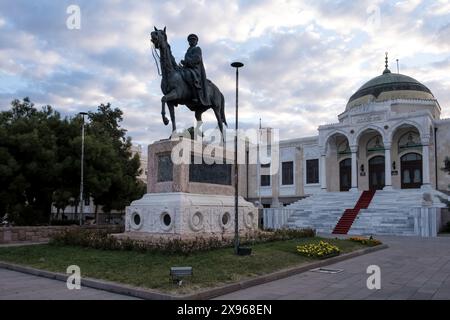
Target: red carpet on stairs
<point>349,216</point>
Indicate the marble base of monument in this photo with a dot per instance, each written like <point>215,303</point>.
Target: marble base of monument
<point>187,215</point>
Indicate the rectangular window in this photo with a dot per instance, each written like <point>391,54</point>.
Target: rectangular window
<point>265,179</point>
<point>312,171</point>
<point>288,173</point>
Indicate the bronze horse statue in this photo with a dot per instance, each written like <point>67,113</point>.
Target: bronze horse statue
<point>177,91</point>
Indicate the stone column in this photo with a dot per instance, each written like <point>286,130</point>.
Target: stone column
<point>387,167</point>
<point>275,190</point>
<point>426,164</point>
<point>299,185</point>
<point>323,171</point>
<point>354,150</point>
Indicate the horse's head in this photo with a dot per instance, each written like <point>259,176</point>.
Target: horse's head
<point>159,38</point>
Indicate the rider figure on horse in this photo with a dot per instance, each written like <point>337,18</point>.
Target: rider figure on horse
<point>194,71</point>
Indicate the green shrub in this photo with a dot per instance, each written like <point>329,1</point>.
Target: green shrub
<point>101,240</point>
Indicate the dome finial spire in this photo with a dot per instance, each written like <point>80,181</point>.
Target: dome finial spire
<point>387,65</point>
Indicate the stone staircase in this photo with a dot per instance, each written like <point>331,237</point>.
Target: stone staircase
<point>389,212</point>
<point>348,218</point>
<point>321,211</point>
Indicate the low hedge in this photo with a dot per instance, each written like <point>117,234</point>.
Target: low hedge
<point>371,242</point>
<point>101,240</point>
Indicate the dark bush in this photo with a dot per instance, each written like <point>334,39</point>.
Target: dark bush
<point>101,240</point>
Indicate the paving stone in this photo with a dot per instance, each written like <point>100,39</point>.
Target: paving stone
<point>20,286</point>
<point>422,296</point>
<point>411,268</point>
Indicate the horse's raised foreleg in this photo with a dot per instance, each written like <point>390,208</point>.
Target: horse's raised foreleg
<point>172,95</point>
<point>163,112</point>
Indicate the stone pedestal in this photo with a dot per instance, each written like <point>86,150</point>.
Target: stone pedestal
<point>189,214</point>
<point>189,199</point>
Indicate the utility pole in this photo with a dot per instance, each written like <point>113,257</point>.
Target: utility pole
<point>82,168</point>
<point>236,65</point>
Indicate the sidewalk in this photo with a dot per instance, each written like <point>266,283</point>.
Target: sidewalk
<point>411,268</point>
<point>20,286</point>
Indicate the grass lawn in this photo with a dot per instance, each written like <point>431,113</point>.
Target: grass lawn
<point>151,270</point>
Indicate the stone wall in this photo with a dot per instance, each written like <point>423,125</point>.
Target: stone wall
<point>43,234</point>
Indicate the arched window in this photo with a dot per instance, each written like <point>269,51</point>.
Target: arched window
<point>409,140</point>
<point>411,169</point>
<point>376,173</point>
<point>375,144</point>
<point>345,174</point>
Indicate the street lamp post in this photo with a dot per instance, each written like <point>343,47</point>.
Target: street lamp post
<point>236,65</point>
<point>82,168</point>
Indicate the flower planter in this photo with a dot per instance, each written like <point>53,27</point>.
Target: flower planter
<point>314,250</point>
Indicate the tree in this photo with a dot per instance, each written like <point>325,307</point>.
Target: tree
<point>29,153</point>
<point>112,170</point>
<point>40,162</point>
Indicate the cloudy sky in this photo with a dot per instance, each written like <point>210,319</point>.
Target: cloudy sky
<point>303,59</point>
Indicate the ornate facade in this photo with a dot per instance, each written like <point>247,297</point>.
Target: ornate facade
<point>389,137</point>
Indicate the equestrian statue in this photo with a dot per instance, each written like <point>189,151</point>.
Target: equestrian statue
<point>186,83</point>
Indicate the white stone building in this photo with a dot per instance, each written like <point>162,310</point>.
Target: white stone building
<point>390,138</point>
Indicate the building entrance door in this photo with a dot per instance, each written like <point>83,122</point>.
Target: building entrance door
<point>345,174</point>
<point>376,173</point>
<point>411,166</point>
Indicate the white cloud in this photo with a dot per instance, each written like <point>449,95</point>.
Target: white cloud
<point>439,8</point>
<point>303,59</point>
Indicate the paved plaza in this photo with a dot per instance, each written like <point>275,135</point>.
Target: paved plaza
<point>411,268</point>
<point>20,286</point>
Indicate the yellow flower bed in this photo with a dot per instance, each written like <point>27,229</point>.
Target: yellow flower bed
<point>369,242</point>
<point>318,250</point>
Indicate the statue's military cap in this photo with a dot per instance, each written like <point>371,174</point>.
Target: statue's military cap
<point>192,36</point>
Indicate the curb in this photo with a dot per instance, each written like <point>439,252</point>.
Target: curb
<point>149,294</point>
<point>21,244</point>
<point>92,283</point>
<point>216,292</point>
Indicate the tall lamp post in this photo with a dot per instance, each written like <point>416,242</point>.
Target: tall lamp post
<point>236,65</point>
<point>82,168</point>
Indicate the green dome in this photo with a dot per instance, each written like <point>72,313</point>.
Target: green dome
<point>389,82</point>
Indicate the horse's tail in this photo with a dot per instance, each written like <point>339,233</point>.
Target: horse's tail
<point>222,109</point>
